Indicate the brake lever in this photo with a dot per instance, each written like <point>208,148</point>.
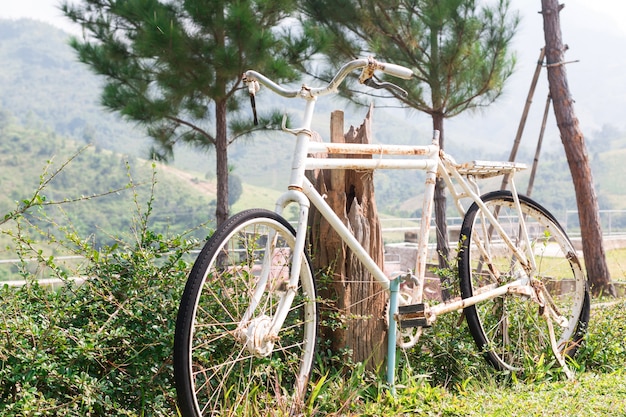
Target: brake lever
<point>253,87</point>
<point>253,104</point>
<point>370,82</point>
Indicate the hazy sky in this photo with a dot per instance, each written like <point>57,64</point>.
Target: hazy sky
<point>594,30</point>
<point>611,11</point>
<point>46,10</point>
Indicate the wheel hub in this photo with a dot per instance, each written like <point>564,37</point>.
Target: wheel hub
<point>258,341</point>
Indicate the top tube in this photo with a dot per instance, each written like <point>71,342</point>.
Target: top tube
<point>369,64</point>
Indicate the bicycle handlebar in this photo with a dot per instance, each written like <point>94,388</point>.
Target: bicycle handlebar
<point>369,66</point>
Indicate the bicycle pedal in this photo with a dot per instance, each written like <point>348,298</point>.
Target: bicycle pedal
<point>413,315</point>
<point>412,309</point>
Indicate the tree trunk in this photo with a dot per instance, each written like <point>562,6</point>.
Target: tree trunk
<point>221,155</point>
<point>441,223</point>
<point>576,152</point>
<point>221,130</point>
<point>353,303</point>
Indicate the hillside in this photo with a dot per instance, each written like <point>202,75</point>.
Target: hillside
<point>27,156</point>
<point>182,202</point>
<point>44,89</point>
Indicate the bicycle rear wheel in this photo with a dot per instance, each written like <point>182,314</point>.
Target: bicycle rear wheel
<point>225,362</point>
<point>510,329</point>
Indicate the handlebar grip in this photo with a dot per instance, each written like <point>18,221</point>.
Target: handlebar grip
<point>396,70</point>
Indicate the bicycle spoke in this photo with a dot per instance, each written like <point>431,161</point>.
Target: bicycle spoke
<point>224,362</point>
<point>512,329</point>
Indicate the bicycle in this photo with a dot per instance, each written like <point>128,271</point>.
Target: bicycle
<point>246,328</point>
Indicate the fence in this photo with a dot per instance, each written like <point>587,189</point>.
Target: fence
<point>394,230</point>
<point>613,223</point>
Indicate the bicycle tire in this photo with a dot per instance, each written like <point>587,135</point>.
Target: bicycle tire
<point>218,368</point>
<point>509,329</point>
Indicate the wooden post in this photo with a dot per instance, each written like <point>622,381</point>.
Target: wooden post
<point>522,123</point>
<point>533,171</point>
<point>353,302</point>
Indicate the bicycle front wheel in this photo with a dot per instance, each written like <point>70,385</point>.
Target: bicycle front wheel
<point>226,362</point>
<point>511,329</point>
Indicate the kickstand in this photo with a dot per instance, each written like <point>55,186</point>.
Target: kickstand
<point>555,349</point>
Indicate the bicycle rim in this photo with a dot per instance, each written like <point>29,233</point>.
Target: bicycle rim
<point>511,329</point>
<point>225,362</point>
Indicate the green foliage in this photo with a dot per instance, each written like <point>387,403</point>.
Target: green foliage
<point>175,67</point>
<point>446,354</point>
<point>604,349</point>
<point>100,348</point>
<point>457,49</point>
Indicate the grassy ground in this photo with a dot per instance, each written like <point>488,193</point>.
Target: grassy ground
<point>589,395</point>
<point>454,381</point>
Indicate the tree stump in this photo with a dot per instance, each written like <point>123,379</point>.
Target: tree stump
<point>353,303</point>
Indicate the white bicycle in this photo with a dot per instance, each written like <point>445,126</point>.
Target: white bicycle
<point>247,324</point>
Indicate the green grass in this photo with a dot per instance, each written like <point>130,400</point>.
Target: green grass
<point>589,395</point>
<point>256,197</point>
<point>452,379</point>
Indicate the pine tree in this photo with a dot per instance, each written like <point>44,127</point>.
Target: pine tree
<point>458,50</point>
<point>175,67</point>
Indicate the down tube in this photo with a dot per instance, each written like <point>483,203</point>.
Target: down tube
<point>344,233</point>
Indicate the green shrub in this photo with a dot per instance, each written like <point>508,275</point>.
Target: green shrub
<point>604,348</point>
<point>101,348</point>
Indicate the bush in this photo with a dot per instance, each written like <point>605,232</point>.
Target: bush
<point>604,349</point>
<point>100,348</point>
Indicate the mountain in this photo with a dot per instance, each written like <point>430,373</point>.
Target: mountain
<point>43,86</point>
